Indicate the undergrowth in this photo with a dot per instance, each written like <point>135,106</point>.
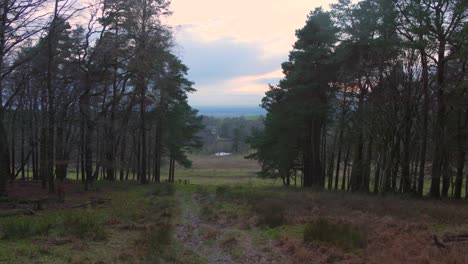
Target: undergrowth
<point>80,223</point>
<point>344,235</point>
<point>269,206</point>
<point>158,239</point>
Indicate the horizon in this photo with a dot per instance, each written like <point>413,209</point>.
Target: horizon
<point>229,111</point>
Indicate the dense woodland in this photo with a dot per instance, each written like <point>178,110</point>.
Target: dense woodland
<point>374,99</point>
<point>107,97</point>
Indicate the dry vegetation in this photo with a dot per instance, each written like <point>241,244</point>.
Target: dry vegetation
<point>233,220</point>
<point>320,227</point>
<point>279,225</point>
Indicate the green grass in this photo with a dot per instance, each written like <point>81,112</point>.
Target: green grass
<point>223,177</point>
<point>252,117</point>
<point>81,223</point>
<point>280,232</point>
<point>24,227</point>
<point>107,234</point>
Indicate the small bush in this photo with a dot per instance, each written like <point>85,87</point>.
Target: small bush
<point>202,191</point>
<point>161,238</point>
<point>80,224</point>
<point>207,212</point>
<point>240,193</point>
<point>343,235</point>
<point>158,245</point>
<point>271,212</point>
<point>164,189</point>
<point>222,190</point>
<point>84,225</point>
<point>23,227</point>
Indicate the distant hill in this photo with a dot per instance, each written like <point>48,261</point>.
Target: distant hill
<point>230,111</point>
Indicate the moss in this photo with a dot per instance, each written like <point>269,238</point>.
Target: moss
<point>440,227</point>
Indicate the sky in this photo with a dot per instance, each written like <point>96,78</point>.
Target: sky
<point>234,49</point>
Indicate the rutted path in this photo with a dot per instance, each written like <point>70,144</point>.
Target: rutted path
<point>188,232</point>
<point>217,247</point>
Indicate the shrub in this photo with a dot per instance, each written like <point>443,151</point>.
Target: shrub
<point>161,238</point>
<point>158,245</point>
<point>202,191</point>
<point>164,189</point>
<point>222,190</point>
<point>83,225</point>
<point>241,194</point>
<point>208,212</point>
<point>343,235</point>
<point>22,227</point>
<point>271,212</point>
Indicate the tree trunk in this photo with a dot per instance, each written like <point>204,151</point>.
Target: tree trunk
<point>82,152</point>
<point>338,161</point>
<point>358,165</point>
<point>13,145</point>
<point>331,164</point>
<point>61,154</point>
<point>5,172</point>
<point>171,169</point>
<point>439,126</point>
<point>158,151</point>
<point>88,131</point>
<point>23,124</point>
<point>377,175</point>
<point>123,164</point>
<point>366,181</point>
<point>313,174</point>
<point>138,158</point>
<point>43,158</point>
<point>51,100</point>
<point>422,160</point>
<point>143,136</point>
<point>460,153</point>
<point>346,161</point>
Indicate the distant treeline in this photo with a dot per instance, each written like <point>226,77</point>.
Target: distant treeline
<point>228,134</point>
<point>374,99</point>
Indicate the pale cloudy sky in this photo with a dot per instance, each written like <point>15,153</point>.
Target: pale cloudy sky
<point>234,49</point>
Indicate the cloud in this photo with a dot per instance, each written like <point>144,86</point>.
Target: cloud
<point>270,75</point>
<point>234,49</point>
<point>254,88</point>
<point>226,71</point>
<point>255,84</point>
<point>224,59</point>
<point>242,90</point>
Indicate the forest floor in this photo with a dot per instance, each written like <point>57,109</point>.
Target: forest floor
<point>227,215</point>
